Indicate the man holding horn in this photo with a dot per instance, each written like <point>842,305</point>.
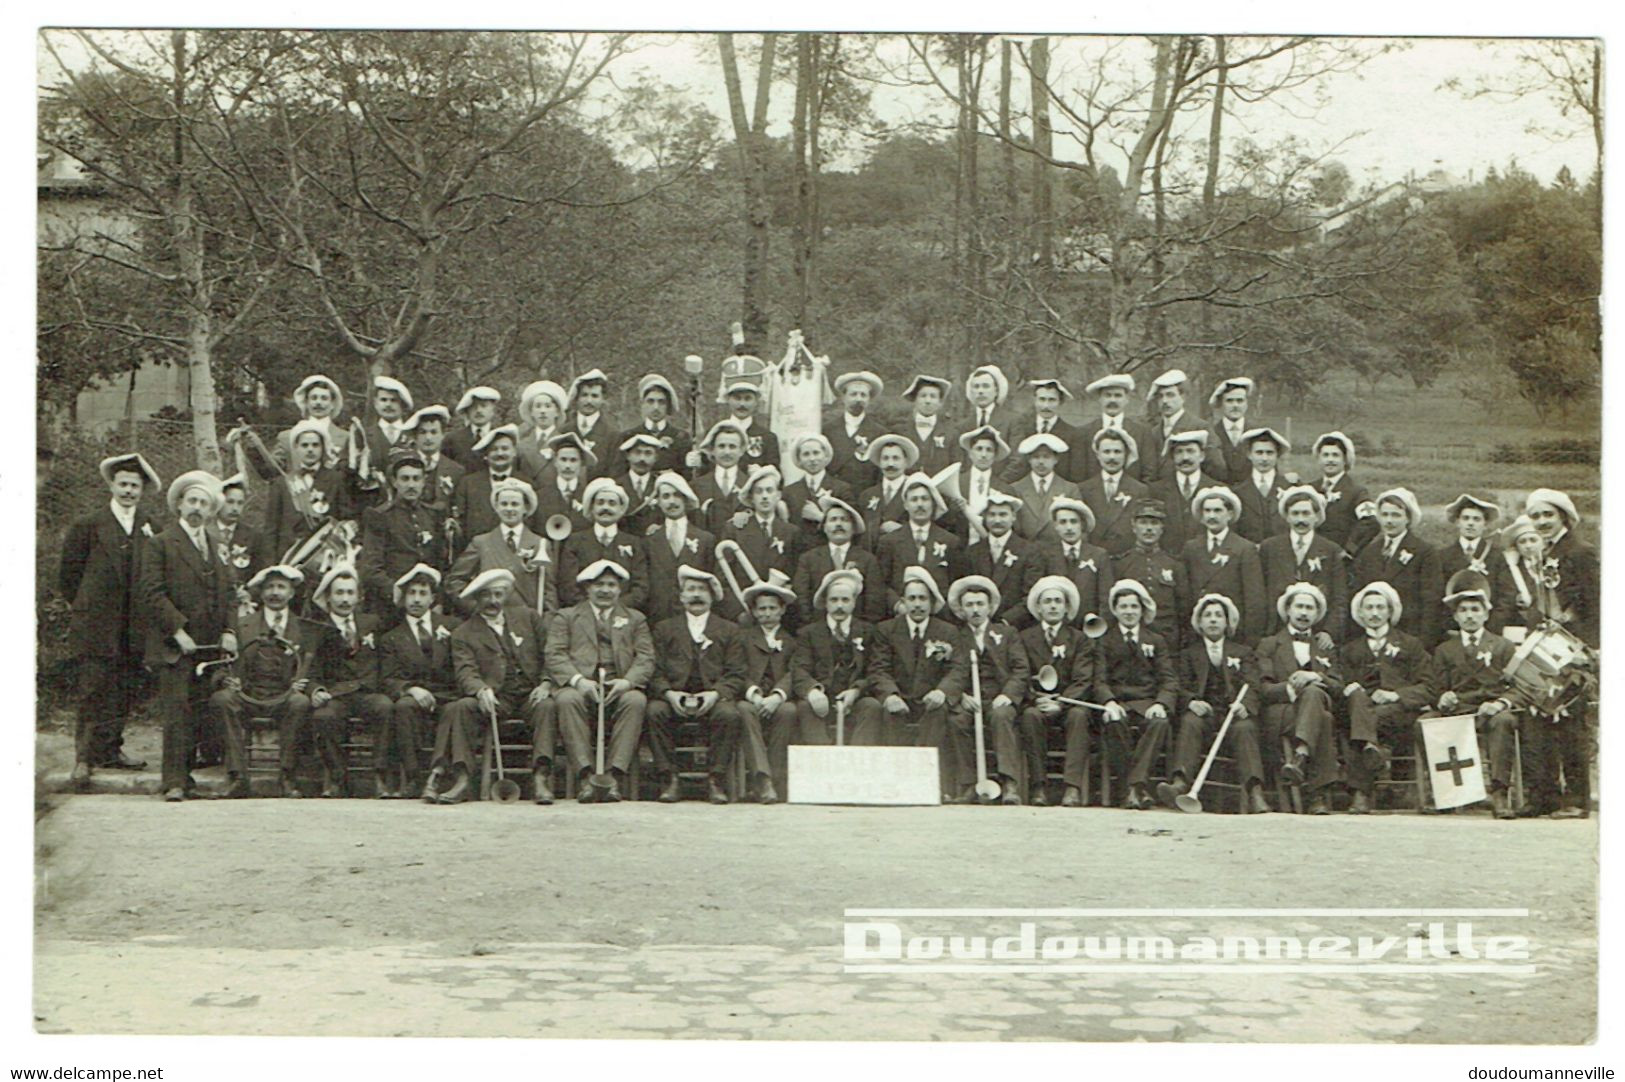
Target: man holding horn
<point>1212,671</point>
<point>1056,641</point>
<point>513,545</point>
<point>999,672</point>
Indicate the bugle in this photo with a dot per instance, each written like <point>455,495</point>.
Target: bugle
<point>1095,625</point>
<point>987,790</point>
<point>723,550</point>
<point>557,528</point>
<point>1191,801</point>
<point>1046,679</point>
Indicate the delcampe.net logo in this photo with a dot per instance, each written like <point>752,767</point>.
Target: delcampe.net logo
<point>1186,940</point>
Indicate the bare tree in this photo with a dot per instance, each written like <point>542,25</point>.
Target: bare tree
<point>1567,72</point>
<point>750,136</point>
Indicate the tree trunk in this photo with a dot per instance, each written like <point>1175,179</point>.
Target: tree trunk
<point>188,241</point>
<point>1124,305</point>
<point>753,168</point>
<point>1007,155</point>
<point>1043,144</point>
<point>801,235</point>
<point>1210,180</point>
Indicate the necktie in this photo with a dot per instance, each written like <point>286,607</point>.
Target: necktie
<point>674,538</point>
<point>1262,484</point>
<point>349,632</point>
<point>1389,547</point>
<point>1300,636</point>
<point>1471,641</point>
<point>981,484</point>
<point>202,544</point>
<point>838,557</point>
<point>889,489</point>
<point>1300,549</point>
<point>513,539</point>
<point>917,633</point>
<point>1215,655</point>
<point>1376,645</point>
<point>1043,486</point>
<point>1072,553</point>
<point>1043,425</point>
<point>1212,544</point>
<point>1111,487</point>
<point>1049,635</point>
<point>420,631</point>
<point>275,623</point>
<point>840,633</point>
<point>1185,487</point>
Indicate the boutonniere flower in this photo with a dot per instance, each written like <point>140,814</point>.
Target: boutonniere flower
<point>442,632</point>
<point>1168,575</point>
<point>576,506</point>
<point>753,447</point>
<point>773,642</point>
<point>1406,556</point>
<point>937,650</point>
<point>704,645</point>
<point>1009,559</point>
<point>318,502</point>
<point>146,529</point>
<point>1148,649</point>
<point>1089,563</point>
<point>425,537</point>
<point>619,622</point>
<point>1551,563</point>
<point>939,549</point>
<point>1233,662</point>
<point>1333,496</point>
<point>1122,497</point>
<point>1057,650</point>
<point>861,442</point>
<point>1484,656</point>
<point>939,441</point>
<point>1391,650</point>
<point>778,545</point>
<point>1315,562</point>
<point>823,492</point>
<point>857,643</point>
<point>446,485</point>
<point>239,556</point>
<point>692,544</point>
<point>367,640</point>
<point>1478,565</point>
<point>665,441</point>
<point>626,550</point>
<point>1220,559</point>
<point>1326,661</point>
<point>528,555</point>
<point>517,641</point>
<point>874,503</point>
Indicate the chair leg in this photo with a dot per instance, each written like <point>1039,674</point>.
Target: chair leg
<point>1517,771</point>
<point>485,770</point>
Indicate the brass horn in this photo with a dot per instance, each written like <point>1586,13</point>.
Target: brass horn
<point>731,547</point>
<point>1095,625</point>
<point>557,527</point>
<point>1047,680</point>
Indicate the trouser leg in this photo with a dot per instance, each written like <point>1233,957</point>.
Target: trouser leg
<point>543,718</point>
<point>1242,743</point>
<point>626,717</point>
<point>1032,732</point>
<point>870,726</point>
<point>933,732</point>
<point>753,740</point>
<point>1314,728</point>
<point>1007,759</point>
<point>722,738</point>
<point>98,680</point>
<point>179,712</point>
<point>1191,743</point>
<point>293,725</point>
<point>227,712</point>
<point>783,729</point>
<point>330,725</point>
<point>457,740</point>
<point>1498,744</point>
<point>1574,752</point>
<point>1075,767</point>
<point>579,737</point>
<point>1153,735</point>
<point>1390,721</point>
<point>401,735</point>
<point>659,726</point>
<point>1540,763</point>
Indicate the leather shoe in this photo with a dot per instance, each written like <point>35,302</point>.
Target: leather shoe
<point>1570,813</point>
<point>430,784</point>
<point>1011,794</point>
<point>765,792</point>
<point>612,795</point>
<point>459,789</point>
<point>718,795</point>
<point>237,789</point>
<point>1319,806</point>
<point>1375,757</point>
<point>174,796</point>
<point>124,762</point>
<point>1361,803</point>
<point>1072,798</point>
<point>544,793</point>
<point>1501,805</point>
<point>1256,802</point>
<point>673,792</point>
<point>1169,792</point>
<point>1293,773</point>
<point>1040,797</point>
<point>80,778</point>
<point>289,787</point>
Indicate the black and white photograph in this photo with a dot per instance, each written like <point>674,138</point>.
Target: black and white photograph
<point>816,534</point>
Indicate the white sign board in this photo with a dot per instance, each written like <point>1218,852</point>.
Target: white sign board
<point>851,775</point>
<point>1453,761</point>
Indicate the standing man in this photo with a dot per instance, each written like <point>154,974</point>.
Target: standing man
<point>842,526</point>
<point>1162,575</point>
<point>401,533</point>
<point>1227,447</point>
<point>471,499</point>
<point>541,405</point>
<point>767,541</point>
<point>850,435</point>
<point>1048,394</point>
<point>657,402</point>
<point>1399,557</point>
<point>1220,562</point>
<point>478,410</point>
<point>1302,555</point>
<point>391,405</point>
<point>101,562</point>
<point>742,394</point>
<point>1043,451</point>
<point>813,454</point>
<point>425,432</point>
<point>672,542</point>
<point>344,680</point>
<point>185,601</point>
<point>1011,564</point>
<point>1112,488</point>
<point>1055,640</point>
<point>922,543</point>
<point>320,400</point>
<point>584,414</point>
<point>1472,516</point>
<point>717,486</point>
<point>415,673</point>
<point>986,388</point>
<point>882,502</point>
<point>984,449</point>
<point>312,494</point>
<point>1071,554</point>
<point>909,669</point>
<point>242,547</point>
<point>1262,487</point>
<point>638,454</point>
<point>1181,479</point>
<point>514,546</point>
<point>1570,562</point>
<point>1111,397</point>
<point>936,439</point>
<point>1001,672</point>
<point>1351,514</point>
<point>561,490</point>
<point>606,504</point>
<point>1167,397</point>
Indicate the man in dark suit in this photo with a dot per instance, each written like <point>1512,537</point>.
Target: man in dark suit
<point>986,389</point>
<point>318,399</point>
<point>908,670</point>
<point>699,662</point>
<point>1219,562</point>
<point>1212,671</point>
<point>243,548</point>
<point>1301,684</point>
<point>1469,674</point>
<point>1055,640</point>
<point>344,681</point>
<point>813,454</point>
<point>1167,398</point>
<point>1112,489</point>
<point>1303,555</point>
<point>717,486</point>
<point>1262,485</point>
<point>636,477</point>
<point>496,656</point>
<point>768,649</point>
<point>562,486</point>
<point>920,543</point>
<point>584,415</point>
<point>477,410</point>
<point>513,545</point>
<point>765,539</point>
<point>401,533</point>
<point>831,667</point>
<point>1399,557</point>
<point>471,499</point>
<point>674,540</point>
<point>1040,488</point>
<point>657,402</point>
<point>1162,575</point>
<point>742,395</point>
<point>309,496</point>
<point>391,405</point>
<point>101,558</point>
<point>1135,680</point>
<point>606,504</point>
<point>1474,547</point>
<point>601,639</point>
<point>185,599</point>
<point>1226,447</point>
<point>1182,478</point>
<point>1000,674</point>
<point>1351,514</point>
<point>882,502</point>
<point>1011,564</point>
<point>842,526</point>
<point>415,673</point>
<point>1070,553</point>
<point>937,440</point>
<point>1111,395</point>
<point>425,433</point>
<point>850,432</point>
<point>1389,678</point>
<point>1048,394</point>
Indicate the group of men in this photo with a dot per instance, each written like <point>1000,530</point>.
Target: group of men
<point>1117,588</point>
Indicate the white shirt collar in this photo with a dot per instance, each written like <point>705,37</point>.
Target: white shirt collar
<point>839,627</point>
<point>853,423</point>
<point>499,623</point>
<point>917,627</point>
<point>600,532</point>
<point>124,515</point>
<point>1380,634</point>
<point>276,620</point>
<point>814,483</point>
<point>696,624</point>
<point>1216,539</point>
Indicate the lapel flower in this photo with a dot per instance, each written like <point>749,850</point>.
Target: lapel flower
<point>1057,650</point>
<point>626,550</point>
<point>703,644</point>
<point>1122,497</point>
<point>996,637</point>
<point>619,622</point>
<point>1315,562</point>
<point>367,641</point>
<point>774,643</point>
<point>318,503</point>
<point>1484,657</point>
<point>1089,563</point>
<point>939,549</point>
<point>1333,496</point>
<point>857,643</point>
<point>778,545</point>
<point>442,632</point>
<point>239,556</point>
<point>1148,649</point>
<point>1220,559</point>
<point>446,485</point>
<point>666,441</point>
<point>1478,565</point>
<point>874,503</point>
<point>576,506</point>
<point>146,529</point>
<point>1552,563</point>
<point>861,442</point>
<point>1391,650</point>
<point>1406,556</point>
<point>692,544</point>
<point>425,537</point>
<point>753,448</point>
<point>1233,662</point>
<point>1168,575</point>
<point>939,441</point>
<point>938,650</point>
<point>823,492</point>
<point>528,555</point>
<point>1321,660</point>
<point>1009,559</point>
<point>517,641</point>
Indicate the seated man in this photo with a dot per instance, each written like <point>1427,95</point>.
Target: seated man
<point>1000,668</point>
<point>268,679</point>
<point>1299,679</point>
<point>1135,681</point>
<point>831,666</point>
<point>496,655</point>
<point>600,638</point>
<point>344,678</point>
<point>1469,674</point>
<point>1389,675</point>
<point>1212,672</point>
<point>699,661</point>
<point>909,672</point>
<point>414,671</point>
<point>1055,640</point>
<point>768,649</point>
<point>842,527</point>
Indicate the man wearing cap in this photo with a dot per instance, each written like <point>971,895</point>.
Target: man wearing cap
<point>184,600</point>
<point>562,488</point>
<point>1055,641</point>
<point>1351,514</point>
<point>1470,676</point>
<point>243,548</point>
<point>850,432</point>
<point>1568,560</point>
<point>400,533</point>
<point>1166,396</point>
<point>986,388</point>
<point>1299,684</point>
<point>1260,489</point>
<point>513,546</point>
<point>699,664</point>
<point>1071,554</point>
<point>1043,452</point>
<point>584,414</point>
<point>742,392</point>
<point>604,540</point>
<point>657,403</point>
<point>638,454</point>
<point>1389,678</point>
<point>1226,447</point>
<point>496,656</point>
<point>718,485</point>
<point>1220,562</point>
<point>478,411</point>
<point>415,673</point>
<point>842,527</point>
<point>766,540</point>
<point>920,543</point>
<point>312,493</point>
<point>320,400</point>
<point>471,498</point>
<point>984,449</point>
<point>425,432</point>
<point>1473,549</point>
<point>1136,681</point>
<point>1181,479</point>
<point>391,405</point>
<point>813,454</point>
<point>676,539</point>
<point>1112,488</point>
<point>1048,394</point>
<point>882,502</point>
<point>1010,563</point>
<point>100,566</point>
<point>270,679</point>
<point>1213,669</point>
<point>541,405</point>
<point>1162,575</point>
<point>937,440</point>
<point>1303,555</point>
<point>1111,395</point>
<point>1399,557</point>
<point>600,639</point>
<point>768,647</point>
<point>1001,672</point>
<point>344,681</point>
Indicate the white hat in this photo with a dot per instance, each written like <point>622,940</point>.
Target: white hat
<point>318,380</point>
<point>599,568</point>
<point>844,574</point>
<point>388,383</point>
<point>1406,499</point>
<point>1072,503</point>
<point>1198,436</point>
<point>1396,608</point>
<point>487,578</point>
<point>911,452</point>
<point>678,482</point>
<point>759,472</point>
<point>191,479</point>
<point>642,438</point>
<point>876,385</point>
<point>510,430</point>
<point>655,379</point>
<point>1068,588</point>
<point>134,460</point>
<point>727,424</point>
<point>592,375</point>
<point>1290,496</point>
<point>1234,383</point>
<point>338,571</point>
<point>1550,497</point>
<point>541,387</point>
<point>685,572</point>
<point>1232,615</point>
<point>1174,377</point>
<point>915,573</point>
<point>1342,441</point>
<point>515,484</point>
<point>236,480</point>
<point>1050,381</point>
<point>811,437</point>
<point>1307,588</point>
<point>1133,586</point>
<point>418,571</point>
<point>309,424</point>
<point>960,586</point>
<point>284,571</point>
<point>928,381</point>
<point>1252,435</point>
<point>1116,379</point>
<point>600,485</point>
<point>426,412</point>
<point>1454,508</point>
<point>923,481</point>
<point>489,394</point>
<point>777,583</point>
<point>1001,382</point>
<point>828,503</point>
<point>1216,492</point>
<point>1003,449</point>
<point>995,498</point>
<point>1133,454</point>
<point>1045,440</point>
<point>567,439</point>
<point>1512,531</point>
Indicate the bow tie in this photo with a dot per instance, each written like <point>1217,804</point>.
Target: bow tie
<point>1300,636</point>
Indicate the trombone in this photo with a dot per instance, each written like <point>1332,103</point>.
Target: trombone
<point>731,547</point>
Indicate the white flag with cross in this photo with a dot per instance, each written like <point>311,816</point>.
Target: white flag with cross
<point>1453,761</point>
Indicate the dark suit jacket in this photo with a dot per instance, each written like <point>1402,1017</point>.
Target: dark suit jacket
<point>1233,571</point>
<point>1085,466</point>
<point>1032,519</point>
<point>340,670</point>
<point>676,443</point>
<point>1001,665</point>
<point>1259,517</point>
<point>550,501</point>
<point>761,445</point>
<point>471,503</point>
<point>858,473</point>
<point>440,482</point>
<point>767,670</point>
<point>900,668</point>
<point>535,457</point>
<point>572,645</point>
<point>1225,460</point>
<point>1114,522</point>
<point>1072,653</point>
<point>599,438</point>
<point>897,552</point>
<point>681,664</point>
<point>1579,584</point>
<point>179,587</point>
<point>876,510</point>
<point>1476,678</point>
<point>939,449</point>
<point>797,496</point>
<point>1164,577</point>
<point>820,661</point>
<point>1343,524</point>
<point>1325,565</point>
<point>699,551</point>
<point>1199,680</point>
<point>378,445</point>
<point>1180,525</point>
<point>1093,573</point>
<point>1414,573</point>
<point>458,446</point>
<point>1277,661</point>
<point>403,664</point>
<point>247,552</point>
<point>1409,672</point>
<point>641,511</point>
<point>1021,565</point>
<point>331,496</point>
<point>1124,672</point>
<point>489,551</point>
<point>478,659</point>
<point>813,564</point>
<point>304,635</point>
<point>1155,466</point>
<point>394,539</point>
<point>775,548</point>
<point>583,549</point>
<point>1015,467</point>
<point>97,576</point>
<point>716,506</point>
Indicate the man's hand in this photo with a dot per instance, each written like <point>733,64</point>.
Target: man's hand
<point>320,697</point>
<point>589,689</point>
<point>895,705</point>
<point>1301,679</point>
<point>694,460</point>
<point>819,702</point>
<point>1201,707</point>
<point>847,698</point>
<point>674,699</point>
<point>1382,697</point>
<point>1157,712</point>
<point>1047,706</point>
<point>184,641</point>
<point>1350,688</point>
<point>967,703</point>
<point>739,519</point>
<point>1241,711</point>
<point>487,700</point>
<point>1001,699</point>
<point>811,512</point>
<point>538,694</point>
<point>1490,707</point>
<point>708,700</point>
<point>935,697</point>
<point>1324,643</point>
<point>228,641</point>
<point>766,704</point>
<point>422,697</point>
<point>1448,700</point>
<point>890,526</point>
<point>301,684</point>
<point>232,683</point>
<point>616,688</point>
<point>1115,711</point>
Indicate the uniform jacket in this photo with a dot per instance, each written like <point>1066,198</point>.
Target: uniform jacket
<point>813,564</point>
<point>394,539</point>
<point>1072,653</point>
<point>582,549</point>
<point>1164,576</point>
<point>821,662</point>
<point>1218,688</point>
<point>699,551</point>
<point>572,645</point>
<point>1139,672</point>
<point>478,659</point>
<point>404,663</point>
<point>1414,573</point>
<point>340,669</point>
<point>180,587</point>
<point>1324,564</point>
<point>1020,566</point>
<point>715,663</point>
<point>1001,664</point>
<point>1277,660</point>
<point>490,551</point>
<point>1234,571</point>
<point>899,666</point>
<point>97,576</point>
<point>1404,667</point>
<point>1114,522</point>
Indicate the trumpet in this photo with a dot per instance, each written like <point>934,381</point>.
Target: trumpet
<point>557,529</point>
<point>205,666</point>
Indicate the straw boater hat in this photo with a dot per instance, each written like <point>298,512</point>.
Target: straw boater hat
<point>564,439</point>
<point>510,430</point>
<point>686,573</point>
<point>1342,441</point>
<point>1071,503</point>
<point>1232,615</point>
<point>1299,493</point>
<point>1465,584</point>
<point>309,424</point>
<point>1224,386</point>
<point>811,437</point>
<point>302,392</point>
<point>1133,454</point>
<point>777,583</point>
<point>486,578</point>
<point>515,484</point>
<point>592,375</point>
<point>281,571</point>
<point>1310,590</point>
<point>995,498</point>
<point>339,571</point>
<point>920,480</point>
<point>1518,527</point>
<point>928,381</point>
<point>425,413</point>
<point>727,424</point>
<point>1396,607</point>
<point>1198,436</point>
<point>642,438</point>
<point>1148,606</point>
<point>757,474</point>
<point>1216,492</point>
<point>827,504</point>
<point>1406,499</point>
<point>1558,501</point>
<point>1001,382</point>
<point>541,387</point>
<point>1042,440</point>
<point>599,568</point>
<point>388,383</point>
<point>876,385</point>
<point>1454,508</point>
<point>191,479</point>
<point>1253,435</point>
<point>911,453</point>
<point>132,461</point>
<point>1068,588</point>
<point>1002,449</point>
<point>236,480</point>
<point>680,483</point>
<point>599,485</point>
<point>1121,380</point>
<point>1050,381</point>
<point>959,587</point>
<point>473,394</point>
<point>845,574</point>
<point>656,380</point>
<point>915,573</point>
<point>418,571</point>
<point>1174,377</point>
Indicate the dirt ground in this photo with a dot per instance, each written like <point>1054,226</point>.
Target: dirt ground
<point>365,917</point>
